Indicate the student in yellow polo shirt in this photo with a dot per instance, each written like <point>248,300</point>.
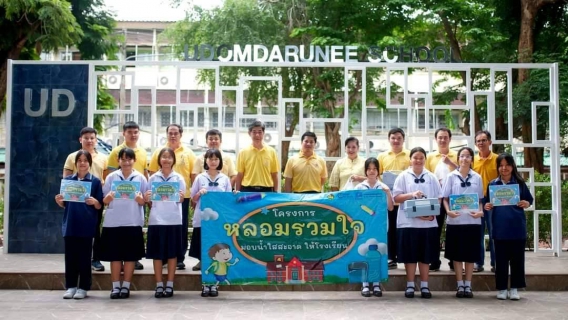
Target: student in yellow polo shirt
<point>396,159</point>
<point>306,172</point>
<point>131,133</point>
<point>257,165</point>
<point>485,164</point>
<point>449,158</point>
<point>185,158</point>
<point>88,140</point>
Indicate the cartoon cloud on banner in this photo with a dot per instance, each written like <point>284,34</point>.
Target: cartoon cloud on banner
<point>274,238</point>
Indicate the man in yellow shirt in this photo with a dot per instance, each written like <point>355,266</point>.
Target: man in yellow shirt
<point>306,172</point>
<point>485,164</point>
<point>88,140</point>
<point>184,166</point>
<point>131,133</point>
<point>257,165</point>
<point>213,138</point>
<point>396,159</point>
<point>441,163</point>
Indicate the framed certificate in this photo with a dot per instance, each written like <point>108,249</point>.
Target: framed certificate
<point>504,195</point>
<point>125,190</point>
<point>466,202</point>
<point>165,191</point>
<point>75,191</point>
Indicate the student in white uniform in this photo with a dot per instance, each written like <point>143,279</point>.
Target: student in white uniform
<point>417,237</point>
<point>463,226</point>
<point>122,238</point>
<point>212,180</point>
<point>372,182</point>
<point>165,225</point>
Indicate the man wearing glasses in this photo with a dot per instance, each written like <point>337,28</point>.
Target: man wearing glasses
<point>484,163</point>
<point>441,163</point>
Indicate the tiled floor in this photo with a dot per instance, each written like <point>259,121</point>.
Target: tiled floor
<point>280,305</point>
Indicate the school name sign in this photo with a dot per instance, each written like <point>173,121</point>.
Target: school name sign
<point>302,53</point>
<point>270,238</point>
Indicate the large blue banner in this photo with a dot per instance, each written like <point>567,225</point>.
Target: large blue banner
<point>278,238</point>
<point>48,110</point>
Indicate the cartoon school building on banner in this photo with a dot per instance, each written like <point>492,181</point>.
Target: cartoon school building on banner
<point>293,271</point>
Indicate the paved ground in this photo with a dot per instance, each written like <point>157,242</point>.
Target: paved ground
<point>281,305</point>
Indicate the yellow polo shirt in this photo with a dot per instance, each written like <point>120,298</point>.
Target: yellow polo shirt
<point>345,168</point>
<point>390,161</point>
<point>228,165</point>
<point>306,172</point>
<point>97,168</point>
<point>486,168</point>
<point>434,158</point>
<point>141,158</point>
<point>185,158</point>
<point>257,166</point>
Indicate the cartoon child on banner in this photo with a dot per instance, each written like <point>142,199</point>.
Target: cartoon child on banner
<point>221,254</point>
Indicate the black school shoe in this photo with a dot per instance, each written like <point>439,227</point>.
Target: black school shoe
<point>124,294</point>
<point>425,293</point>
<point>115,294</point>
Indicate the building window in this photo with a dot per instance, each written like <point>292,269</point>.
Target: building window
<point>167,118</point>
<point>229,119</point>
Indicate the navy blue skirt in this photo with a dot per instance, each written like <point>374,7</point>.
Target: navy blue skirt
<point>122,244</point>
<point>463,242</point>
<point>418,245</point>
<point>164,242</point>
<point>195,245</point>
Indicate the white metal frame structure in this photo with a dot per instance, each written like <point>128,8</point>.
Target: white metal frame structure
<point>404,69</point>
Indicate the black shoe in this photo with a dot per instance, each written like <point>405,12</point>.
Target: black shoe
<point>181,266</point>
<point>478,269</point>
<point>425,293</point>
<point>205,291</point>
<point>392,264</point>
<point>460,293</point>
<point>365,292</point>
<point>115,294</point>
<point>408,293</point>
<point>159,292</point>
<point>213,291</point>
<point>138,266</point>
<point>377,291</point>
<point>124,294</point>
<point>434,267</point>
<point>493,269</point>
<point>170,293</point>
<point>468,293</point>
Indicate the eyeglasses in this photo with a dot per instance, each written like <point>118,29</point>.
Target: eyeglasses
<point>481,141</point>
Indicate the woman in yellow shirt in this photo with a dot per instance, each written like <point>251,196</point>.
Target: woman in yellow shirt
<point>352,166</point>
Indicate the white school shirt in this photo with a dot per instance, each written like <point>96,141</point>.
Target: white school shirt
<point>165,213</point>
<point>452,185</point>
<point>365,185</point>
<point>203,180</point>
<point>124,213</point>
<point>403,184</point>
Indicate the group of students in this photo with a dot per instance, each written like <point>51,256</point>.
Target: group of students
<point>416,241</point>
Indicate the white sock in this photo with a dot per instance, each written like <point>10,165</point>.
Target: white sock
<point>468,284</point>
<point>376,284</point>
<point>125,285</point>
<point>116,284</point>
<point>169,284</point>
<point>365,284</point>
<point>160,284</point>
<point>460,283</point>
<point>410,285</point>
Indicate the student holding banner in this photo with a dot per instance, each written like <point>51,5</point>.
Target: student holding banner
<point>212,180</point>
<point>392,162</point>
<point>79,224</point>
<point>306,172</point>
<point>463,219</point>
<point>372,182</point>
<point>509,228</point>
<point>417,236</point>
<point>88,140</point>
<point>122,238</point>
<point>165,223</point>
<point>351,168</point>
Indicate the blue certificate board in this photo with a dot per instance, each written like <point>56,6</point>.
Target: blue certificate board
<point>165,191</point>
<point>466,201</point>
<point>125,190</point>
<point>75,191</point>
<point>504,195</point>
